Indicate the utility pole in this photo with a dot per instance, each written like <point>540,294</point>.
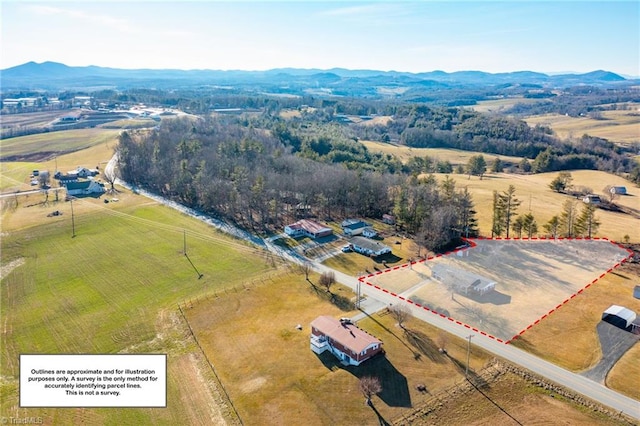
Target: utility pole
<point>466,371</point>
<point>184,244</point>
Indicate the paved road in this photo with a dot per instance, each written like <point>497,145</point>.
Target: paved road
<point>29,192</point>
<point>377,299</point>
<point>576,382</point>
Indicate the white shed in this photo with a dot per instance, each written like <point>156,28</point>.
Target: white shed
<point>619,316</point>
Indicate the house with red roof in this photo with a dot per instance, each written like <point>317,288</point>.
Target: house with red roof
<point>307,228</point>
<point>344,340</point>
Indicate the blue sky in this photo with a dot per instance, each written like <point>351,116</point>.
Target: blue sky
<point>415,36</point>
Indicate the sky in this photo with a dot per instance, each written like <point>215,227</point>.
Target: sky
<point>411,36</point>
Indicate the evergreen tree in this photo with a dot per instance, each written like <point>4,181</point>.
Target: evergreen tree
<point>507,206</point>
<point>518,226</point>
<point>553,226</point>
<point>586,223</point>
<point>496,222</point>
<point>476,166</point>
<point>529,224</point>
<point>468,224</point>
<point>497,165</point>
<point>568,219</point>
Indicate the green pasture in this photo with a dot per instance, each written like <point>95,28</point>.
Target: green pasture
<point>106,289</point>
<point>55,143</point>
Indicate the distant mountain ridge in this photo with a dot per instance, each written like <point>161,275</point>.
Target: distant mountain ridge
<point>53,75</point>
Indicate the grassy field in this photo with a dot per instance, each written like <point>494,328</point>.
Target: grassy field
<point>617,126</point>
<point>534,192</point>
<point>496,105</point>
<point>454,156</point>
<point>14,176</point>
<point>273,377</point>
<point>113,288</point>
<point>51,144</point>
<point>568,337</point>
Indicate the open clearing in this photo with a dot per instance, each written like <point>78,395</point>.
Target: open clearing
<point>536,196</point>
<point>616,126</point>
<point>52,144</point>
<point>532,278</point>
<point>273,377</point>
<point>454,156</point>
<point>113,288</point>
<point>497,105</point>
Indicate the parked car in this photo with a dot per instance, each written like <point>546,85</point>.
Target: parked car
<point>346,249</point>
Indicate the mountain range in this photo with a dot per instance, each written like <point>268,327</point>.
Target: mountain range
<point>57,76</point>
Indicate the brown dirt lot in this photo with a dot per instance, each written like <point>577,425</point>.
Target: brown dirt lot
<point>533,277</point>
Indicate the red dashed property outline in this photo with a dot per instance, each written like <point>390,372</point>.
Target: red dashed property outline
<point>472,244</point>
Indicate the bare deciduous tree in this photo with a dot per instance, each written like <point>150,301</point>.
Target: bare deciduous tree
<point>370,386</point>
<point>305,268</point>
<point>327,279</point>
<point>610,192</point>
<point>400,313</point>
<point>110,176</point>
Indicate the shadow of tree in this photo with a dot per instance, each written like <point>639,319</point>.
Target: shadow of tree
<point>474,378</point>
<point>395,389</point>
<point>424,345</point>
<point>381,420</point>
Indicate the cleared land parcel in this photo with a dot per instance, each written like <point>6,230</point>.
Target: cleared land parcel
<point>531,278</point>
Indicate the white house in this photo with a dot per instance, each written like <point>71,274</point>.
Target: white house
<point>369,232</point>
<point>368,247</point>
<point>87,187</point>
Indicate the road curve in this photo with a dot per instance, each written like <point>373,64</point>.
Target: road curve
<point>565,378</point>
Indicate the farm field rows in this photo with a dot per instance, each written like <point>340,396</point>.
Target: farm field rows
<point>51,144</point>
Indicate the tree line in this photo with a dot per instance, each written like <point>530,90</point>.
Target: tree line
<point>246,175</point>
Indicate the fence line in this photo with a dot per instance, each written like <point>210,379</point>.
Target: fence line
<point>211,366</point>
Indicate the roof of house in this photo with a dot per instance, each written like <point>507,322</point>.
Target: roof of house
<point>353,224</point>
<point>368,244</point>
<point>347,334</point>
<point>621,312</point>
<point>84,184</point>
<point>309,226</point>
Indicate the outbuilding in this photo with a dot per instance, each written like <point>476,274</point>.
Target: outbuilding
<point>619,316</point>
